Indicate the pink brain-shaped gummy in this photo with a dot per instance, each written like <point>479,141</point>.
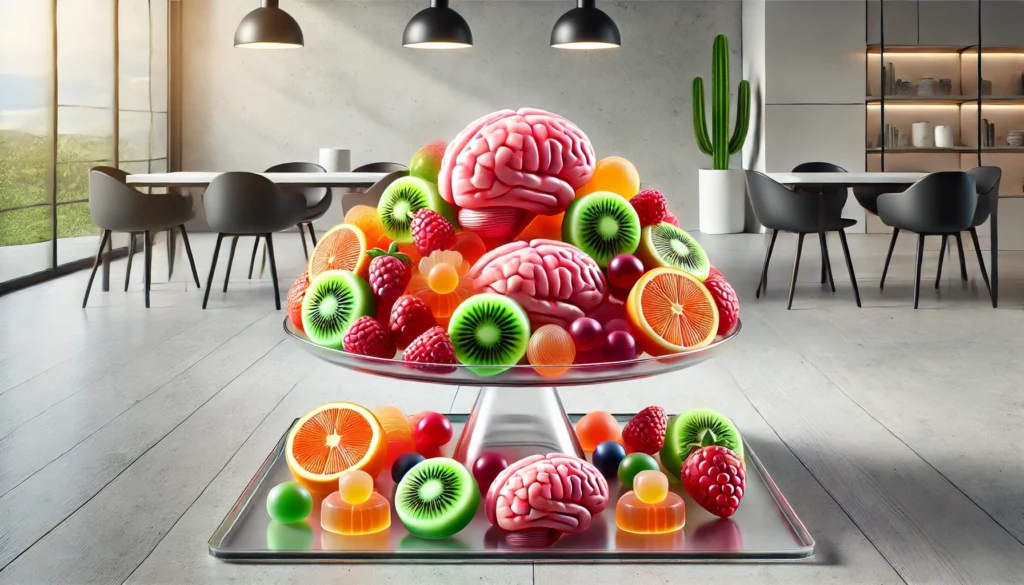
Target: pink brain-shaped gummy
<point>531,160</point>
<point>554,282</point>
<point>555,491</point>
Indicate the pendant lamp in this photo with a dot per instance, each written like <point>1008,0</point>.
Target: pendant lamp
<point>268,27</point>
<point>437,27</point>
<point>585,27</point>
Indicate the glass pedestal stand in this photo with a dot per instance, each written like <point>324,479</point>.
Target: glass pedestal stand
<point>517,423</point>
<point>517,413</point>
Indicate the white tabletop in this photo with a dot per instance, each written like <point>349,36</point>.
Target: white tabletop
<point>846,178</point>
<point>203,178</point>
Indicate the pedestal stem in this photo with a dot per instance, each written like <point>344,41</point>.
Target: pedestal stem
<point>517,422</point>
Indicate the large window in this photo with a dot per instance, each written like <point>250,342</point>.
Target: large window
<point>83,83</point>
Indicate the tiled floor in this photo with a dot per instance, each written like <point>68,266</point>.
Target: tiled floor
<point>126,434</point>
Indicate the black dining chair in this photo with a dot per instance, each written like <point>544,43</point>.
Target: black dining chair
<point>986,181</point>
<point>867,197</point>
<point>246,204</point>
<point>780,209</point>
<point>318,201</point>
<point>116,206</point>
<point>941,204</point>
<point>837,191</point>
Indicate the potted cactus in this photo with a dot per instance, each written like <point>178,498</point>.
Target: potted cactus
<point>722,190</point>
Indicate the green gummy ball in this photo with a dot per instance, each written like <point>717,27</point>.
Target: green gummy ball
<point>633,464</point>
<point>289,502</point>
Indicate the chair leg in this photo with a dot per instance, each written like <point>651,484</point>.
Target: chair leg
<point>252,261</point>
<point>796,268</point>
<point>273,269</point>
<point>942,254</point>
<point>849,265</point>
<point>981,260</point>
<point>213,267</point>
<point>888,257</point>
<point>188,251</point>
<point>231,258</point>
<point>763,283</point>
<point>302,237</point>
<point>96,265</point>
<point>131,254</point>
<point>149,265</point>
<point>170,253</point>
<point>312,233</point>
<point>963,261</point>
<point>826,262</point>
<point>917,274</point>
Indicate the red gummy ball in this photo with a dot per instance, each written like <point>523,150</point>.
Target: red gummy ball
<point>487,467</point>
<point>586,333</point>
<point>619,346</point>
<point>432,431</point>
<point>624,270</point>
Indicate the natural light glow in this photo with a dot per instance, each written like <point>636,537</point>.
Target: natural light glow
<point>437,45</point>
<point>264,45</point>
<point>586,46</point>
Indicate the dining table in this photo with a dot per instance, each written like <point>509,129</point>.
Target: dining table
<point>858,179</point>
<point>202,179</point>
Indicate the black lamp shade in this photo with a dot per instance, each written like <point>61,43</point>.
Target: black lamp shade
<point>268,27</point>
<point>437,27</point>
<point>585,27</point>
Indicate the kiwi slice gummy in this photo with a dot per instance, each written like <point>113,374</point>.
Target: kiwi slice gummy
<point>666,245</point>
<point>694,429</point>
<point>334,300</point>
<point>490,333</point>
<point>437,498</point>
<point>402,199</point>
<point>603,225</point>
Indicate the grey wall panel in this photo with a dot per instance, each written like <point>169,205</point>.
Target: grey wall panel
<point>948,22</point>
<point>900,22</point>
<point>355,86</point>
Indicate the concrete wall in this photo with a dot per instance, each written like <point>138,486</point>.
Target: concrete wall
<point>355,86</point>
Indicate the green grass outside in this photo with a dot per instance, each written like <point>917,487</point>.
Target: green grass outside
<point>24,170</point>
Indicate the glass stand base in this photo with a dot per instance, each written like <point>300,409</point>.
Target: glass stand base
<point>517,422</point>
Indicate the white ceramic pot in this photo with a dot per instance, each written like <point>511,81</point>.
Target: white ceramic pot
<point>722,195</point>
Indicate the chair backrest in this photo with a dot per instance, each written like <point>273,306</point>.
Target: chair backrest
<point>112,202</point>
<point>821,167</point>
<point>940,203</point>
<point>247,203</point>
<point>867,195</point>
<point>779,208</point>
<point>313,195</point>
<point>380,167</point>
<point>370,196</point>
<point>987,181</point>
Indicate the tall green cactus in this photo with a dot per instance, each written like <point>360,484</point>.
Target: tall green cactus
<point>721,147</point>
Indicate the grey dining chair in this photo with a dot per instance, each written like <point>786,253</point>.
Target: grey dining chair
<point>867,197</point>
<point>246,204</point>
<point>986,181</point>
<point>116,206</point>
<point>941,204</point>
<point>352,197</point>
<point>780,209</point>
<point>837,194</point>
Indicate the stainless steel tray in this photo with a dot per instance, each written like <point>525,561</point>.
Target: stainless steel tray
<point>764,529</point>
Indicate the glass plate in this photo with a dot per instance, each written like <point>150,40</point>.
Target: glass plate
<point>518,375</point>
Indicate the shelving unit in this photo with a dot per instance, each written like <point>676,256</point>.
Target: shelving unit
<point>964,110</point>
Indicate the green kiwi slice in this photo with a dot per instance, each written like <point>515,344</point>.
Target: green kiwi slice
<point>666,245</point>
<point>334,300</point>
<point>693,429</point>
<point>437,498</point>
<point>603,225</point>
<point>402,199</point>
<point>490,333</point>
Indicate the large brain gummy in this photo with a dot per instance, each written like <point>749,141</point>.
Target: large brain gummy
<point>507,167</point>
<point>553,492</point>
<point>554,282</point>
